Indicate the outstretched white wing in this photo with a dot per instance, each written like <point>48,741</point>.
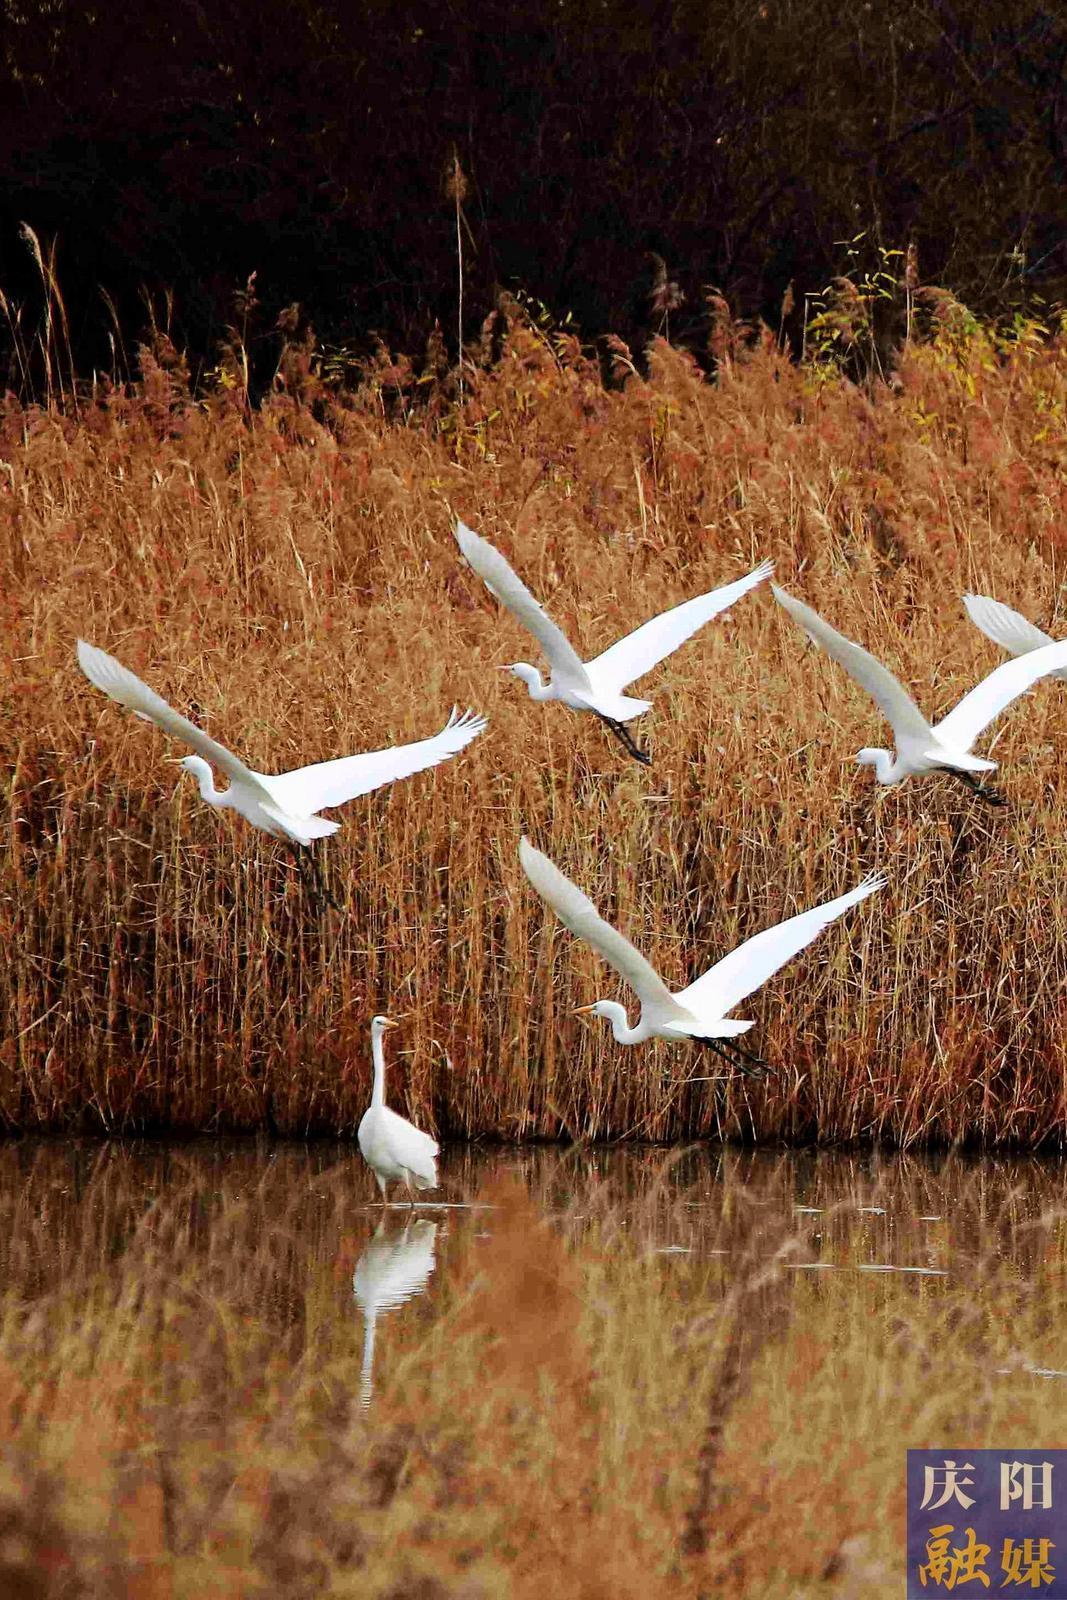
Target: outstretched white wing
<point>125,687</point>
<point>892,699</point>
<point>1006,627</point>
<point>331,783</point>
<point>578,913</point>
<point>630,658</point>
<point>743,971</point>
<point>988,699</point>
<point>501,580</point>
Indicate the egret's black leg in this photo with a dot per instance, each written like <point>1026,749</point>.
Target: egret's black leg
<point>762,1067</point>
<point>741,1060</point>
<point>318,877</point>
<point>625,738</point>
<point>307,884</point>
<point>990,796</point>
<point>732,1061</point>
<point>311,879</point>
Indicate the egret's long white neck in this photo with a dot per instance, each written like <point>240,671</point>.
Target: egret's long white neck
<point>213,796</point>
<point>377,1097</point>
<point>538,689</point>
<point>205,780</point>
<point>886,769</point>
<point>620,1024</point>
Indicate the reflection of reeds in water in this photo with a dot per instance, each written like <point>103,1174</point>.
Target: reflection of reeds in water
<point>755,1314</point>
<point>570,1408</point>
<point>290,577</point>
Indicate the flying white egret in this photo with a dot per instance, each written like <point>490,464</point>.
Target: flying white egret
<point>920,745</point>
<point>699,1011</point>
<point>391,1145</point>
<point>1008,628</point>
<point>285,804</point>
<point>596,685</point>
<point>394,1268</point>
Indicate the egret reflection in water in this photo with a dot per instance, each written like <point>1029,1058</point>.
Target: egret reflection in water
<point>394,1268</point>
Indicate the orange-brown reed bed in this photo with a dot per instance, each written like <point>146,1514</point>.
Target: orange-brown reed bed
<point>289,576</point>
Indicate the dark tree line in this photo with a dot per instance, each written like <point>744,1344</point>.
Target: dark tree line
<point>179,149</point>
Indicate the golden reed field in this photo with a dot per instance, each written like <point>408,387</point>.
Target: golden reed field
<point>287,575</point>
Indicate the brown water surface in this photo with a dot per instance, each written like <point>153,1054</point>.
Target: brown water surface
<point>241,1320</point>
<point>72,1204</point>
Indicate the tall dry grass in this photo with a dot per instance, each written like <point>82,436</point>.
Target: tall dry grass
<point>289,577</point>
<point>567,1408</point>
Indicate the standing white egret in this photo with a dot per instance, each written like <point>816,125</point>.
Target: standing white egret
<point>1008,628</point>
<point>394,1268</point>
<point>392,1146</point>
<point>596,685</point>
<point>699,1011</point>
<point>285,804</point>
<point>922,746</point>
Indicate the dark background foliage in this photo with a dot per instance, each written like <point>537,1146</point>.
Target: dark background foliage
<point>181,149</point>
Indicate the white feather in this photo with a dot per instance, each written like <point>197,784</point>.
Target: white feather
<point>1008,628</point>
<point>996,692</point>
<point>578,913</point>
<point>596,685</point>
<point>284,804</point>
<point>125,687</point>
<point>698,1011</point>
<point>888,694</point>
<point>630,658</point>
<point>509,589</point>
<point>748,967</point>
<point>921,746</point>
<point>331,783</point>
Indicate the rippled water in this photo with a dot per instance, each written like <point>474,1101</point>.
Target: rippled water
<point>286,1221</point>
<point>700,1368</point>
